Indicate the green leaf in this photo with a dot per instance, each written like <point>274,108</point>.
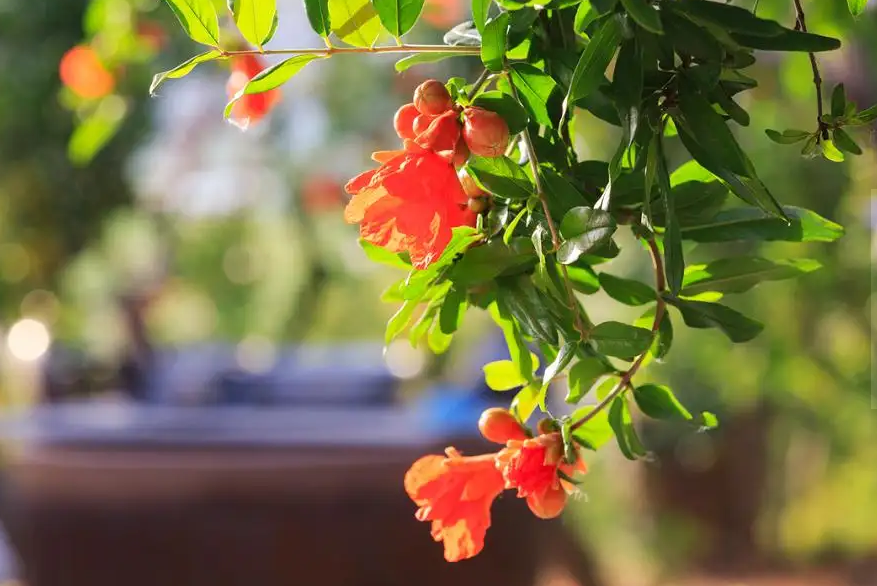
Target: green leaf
<point>439,342</point>
<point>534,88</point>
<point>501,176</point>
<point>750,189</point>
<point>96,130</point>
<point>584,230</point>
<point>583,279</point>
<point>866,116</point>
<point>708,421</point>
<point>585,15</point>
<point>398,16</point>
<point>503,375</point>
<point>271,78</point>
<point>831,152</point>
<point>691,39</point>
<point>419,281</point>
<point>255,19</point>
<point>787,136</point>
<point>480,8</point>
<point>506,106</point>
<point>199,20</point>
<point>522,300</point>
<point>582,377</point>
<point>739,274</point>
<point>664,340</point>
<point>420,58</point>
<point>562,195</point>
<point>645,15</point>
<point>278,74</point>
<point>526,401</point>
<point>857,7</point>
<point>400,320</point>
<point>838,101</point>
<point>604,6</point>
<point>845,142</point>
<point>728,17</point>
<point>485,263</point>
<point>627,80</point>
<point>595,432</point>
<point>753,224</point>
<point>659,402</point>
<point>627,291</point>
<point>621,340</point>
<point>625,434</point>
<point>518,351</point>
<point>493,42</point>
<point>452,311</point>
<point>590,70</point>
<point>318,16</point>
<point>355,22</point>
<point>383,256</point>
<point>701,314</point>
<point>788,40</point>
<point>564,356</point>
<point>711,131</point>
<point>421,326</point>
<point>674,262</point>
<point>183,69</point>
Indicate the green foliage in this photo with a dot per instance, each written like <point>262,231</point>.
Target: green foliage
<point>553,217</point>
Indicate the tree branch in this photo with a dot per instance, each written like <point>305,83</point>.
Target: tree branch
<point>660,310</point>
<point>801,25</point>
<point>328,51</point>
<point>580,327</point>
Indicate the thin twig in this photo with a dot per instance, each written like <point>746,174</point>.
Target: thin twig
<point>478,84</point>
<point>552,228</point>
<point>660,310</point>
<point>801,25</point>
<point>327,51</point>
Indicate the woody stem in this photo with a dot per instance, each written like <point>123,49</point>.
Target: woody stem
<point>329,51</point>
<point>660,311</point>
<point>580,327</point>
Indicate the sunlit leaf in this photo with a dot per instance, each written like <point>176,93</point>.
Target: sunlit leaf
<point>183,69</point>
<point>255,19</point>
<point>199,20</point>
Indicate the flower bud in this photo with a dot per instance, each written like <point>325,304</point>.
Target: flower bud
<point>546,426</point>
<point>421,123</point>
<point>485,132</point>
<point>432,98</point>
<point>403,122</point>
<point>478,205</point>
<point>461,153</point>
<point>499,426</point>
<point>470,188</point>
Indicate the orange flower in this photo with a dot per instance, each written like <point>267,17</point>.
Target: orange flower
<point>532,467</point>
<point>455,493</point>
<point>250,108</point>
<point>410,203</point>
<point>82,71</point>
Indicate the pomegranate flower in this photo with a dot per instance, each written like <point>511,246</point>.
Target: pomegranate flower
<point>531,466</point>
<point>455,493</point>
<point>410,203</point>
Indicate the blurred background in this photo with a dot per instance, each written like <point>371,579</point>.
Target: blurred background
<point>192,374</point>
